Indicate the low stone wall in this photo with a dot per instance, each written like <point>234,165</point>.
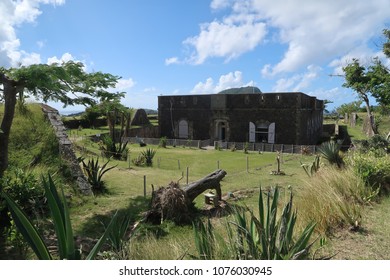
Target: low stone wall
<point>66,149</point>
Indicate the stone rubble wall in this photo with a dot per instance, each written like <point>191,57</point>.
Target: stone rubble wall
<point>66,149</point>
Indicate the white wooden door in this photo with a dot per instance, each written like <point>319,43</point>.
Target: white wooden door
<point>252,132</point>
<point>271,133</point>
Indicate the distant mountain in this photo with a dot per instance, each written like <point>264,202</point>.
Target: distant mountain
<point>241,90</point>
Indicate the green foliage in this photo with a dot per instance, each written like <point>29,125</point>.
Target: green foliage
<point>32,139</point>
<point>118,236</point>
<point>349,108</point>
<point>376,144</point>
<point>139,160</point>
<point>204,240</point>
<point>313,168</point>
<point>55,81</point>
<point>148,154</point>
<point>374,170</point>
<point>24,189</point>
<point>15,239</point>
<point>331,152</point>
<point>110,149</point>
<point>95,173</point>
<point>246,146</point>
<point>62,225</point>
<point>163,142</point>
<point>266,236</point>
<point>91,115</point>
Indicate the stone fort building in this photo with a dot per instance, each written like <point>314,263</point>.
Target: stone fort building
<point>248,116</point>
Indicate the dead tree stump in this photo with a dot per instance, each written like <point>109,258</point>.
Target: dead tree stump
<point>175,203</point>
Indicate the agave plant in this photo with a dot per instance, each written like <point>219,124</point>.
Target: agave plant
<point>62,224</point>
<point>148,154</point>
<point>204,240</point>
<point>331,152</point>
<point>95,173</point>
<point>268,238</point>
<point>110,149</point>
<point>312,168</point>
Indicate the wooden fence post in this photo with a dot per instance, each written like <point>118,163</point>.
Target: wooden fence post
<point>144,185</point>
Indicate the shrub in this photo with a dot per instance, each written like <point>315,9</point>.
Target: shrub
<point>62,224</point>
<point>163,142</point>
<point>374,170</point>
<point>24,188</point>
<point>139,160</point>
<point>377,144</point>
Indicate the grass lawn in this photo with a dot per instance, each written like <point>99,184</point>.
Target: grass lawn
<point>245,173</point>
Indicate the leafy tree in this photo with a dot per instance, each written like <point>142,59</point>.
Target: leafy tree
<point>373,80</point>
<point>349,108</point>
<point>67,83</point>
<point>362,81</point>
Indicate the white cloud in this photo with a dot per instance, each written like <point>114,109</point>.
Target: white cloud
<point>317,31</point>
<point>172,60</point>
<point>13,14</point>
<point>312,32</point>
<point>228,39</point>
<point>230,80</point>
<point>298,82</point>
<point>220,4</point>
<point>64,58</point>
<point>150,89</point>
<point>125,84</point>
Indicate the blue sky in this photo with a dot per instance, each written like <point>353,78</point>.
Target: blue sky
<point>195,47</point>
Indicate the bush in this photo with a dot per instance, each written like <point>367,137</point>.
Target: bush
<point>374,170</point>
<point>163,142</point>
<point>376,144</point>
<point>139,160</point>
<point>62,225</point>
<point>24,188</point>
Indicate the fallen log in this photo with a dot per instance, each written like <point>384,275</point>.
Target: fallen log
<point>175,203</point>
<point>211,181</point>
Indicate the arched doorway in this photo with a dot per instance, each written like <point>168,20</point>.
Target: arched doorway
<point>221,130</point>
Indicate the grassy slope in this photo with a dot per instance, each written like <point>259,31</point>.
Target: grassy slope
<point>372,242</point>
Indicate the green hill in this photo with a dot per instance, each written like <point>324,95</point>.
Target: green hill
<point>241,90</point>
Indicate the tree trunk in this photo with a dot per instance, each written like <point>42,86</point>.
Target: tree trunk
<point>211,181</point>
<point>10,89</point>
<point>175,203</point>
<point>372,129</point>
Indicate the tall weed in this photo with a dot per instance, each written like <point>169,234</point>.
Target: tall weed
<point>333,197</point>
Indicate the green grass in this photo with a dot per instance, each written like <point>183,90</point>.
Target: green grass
<point>126,184</point>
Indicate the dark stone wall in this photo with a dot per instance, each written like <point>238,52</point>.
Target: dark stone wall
<point>298,117</point>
